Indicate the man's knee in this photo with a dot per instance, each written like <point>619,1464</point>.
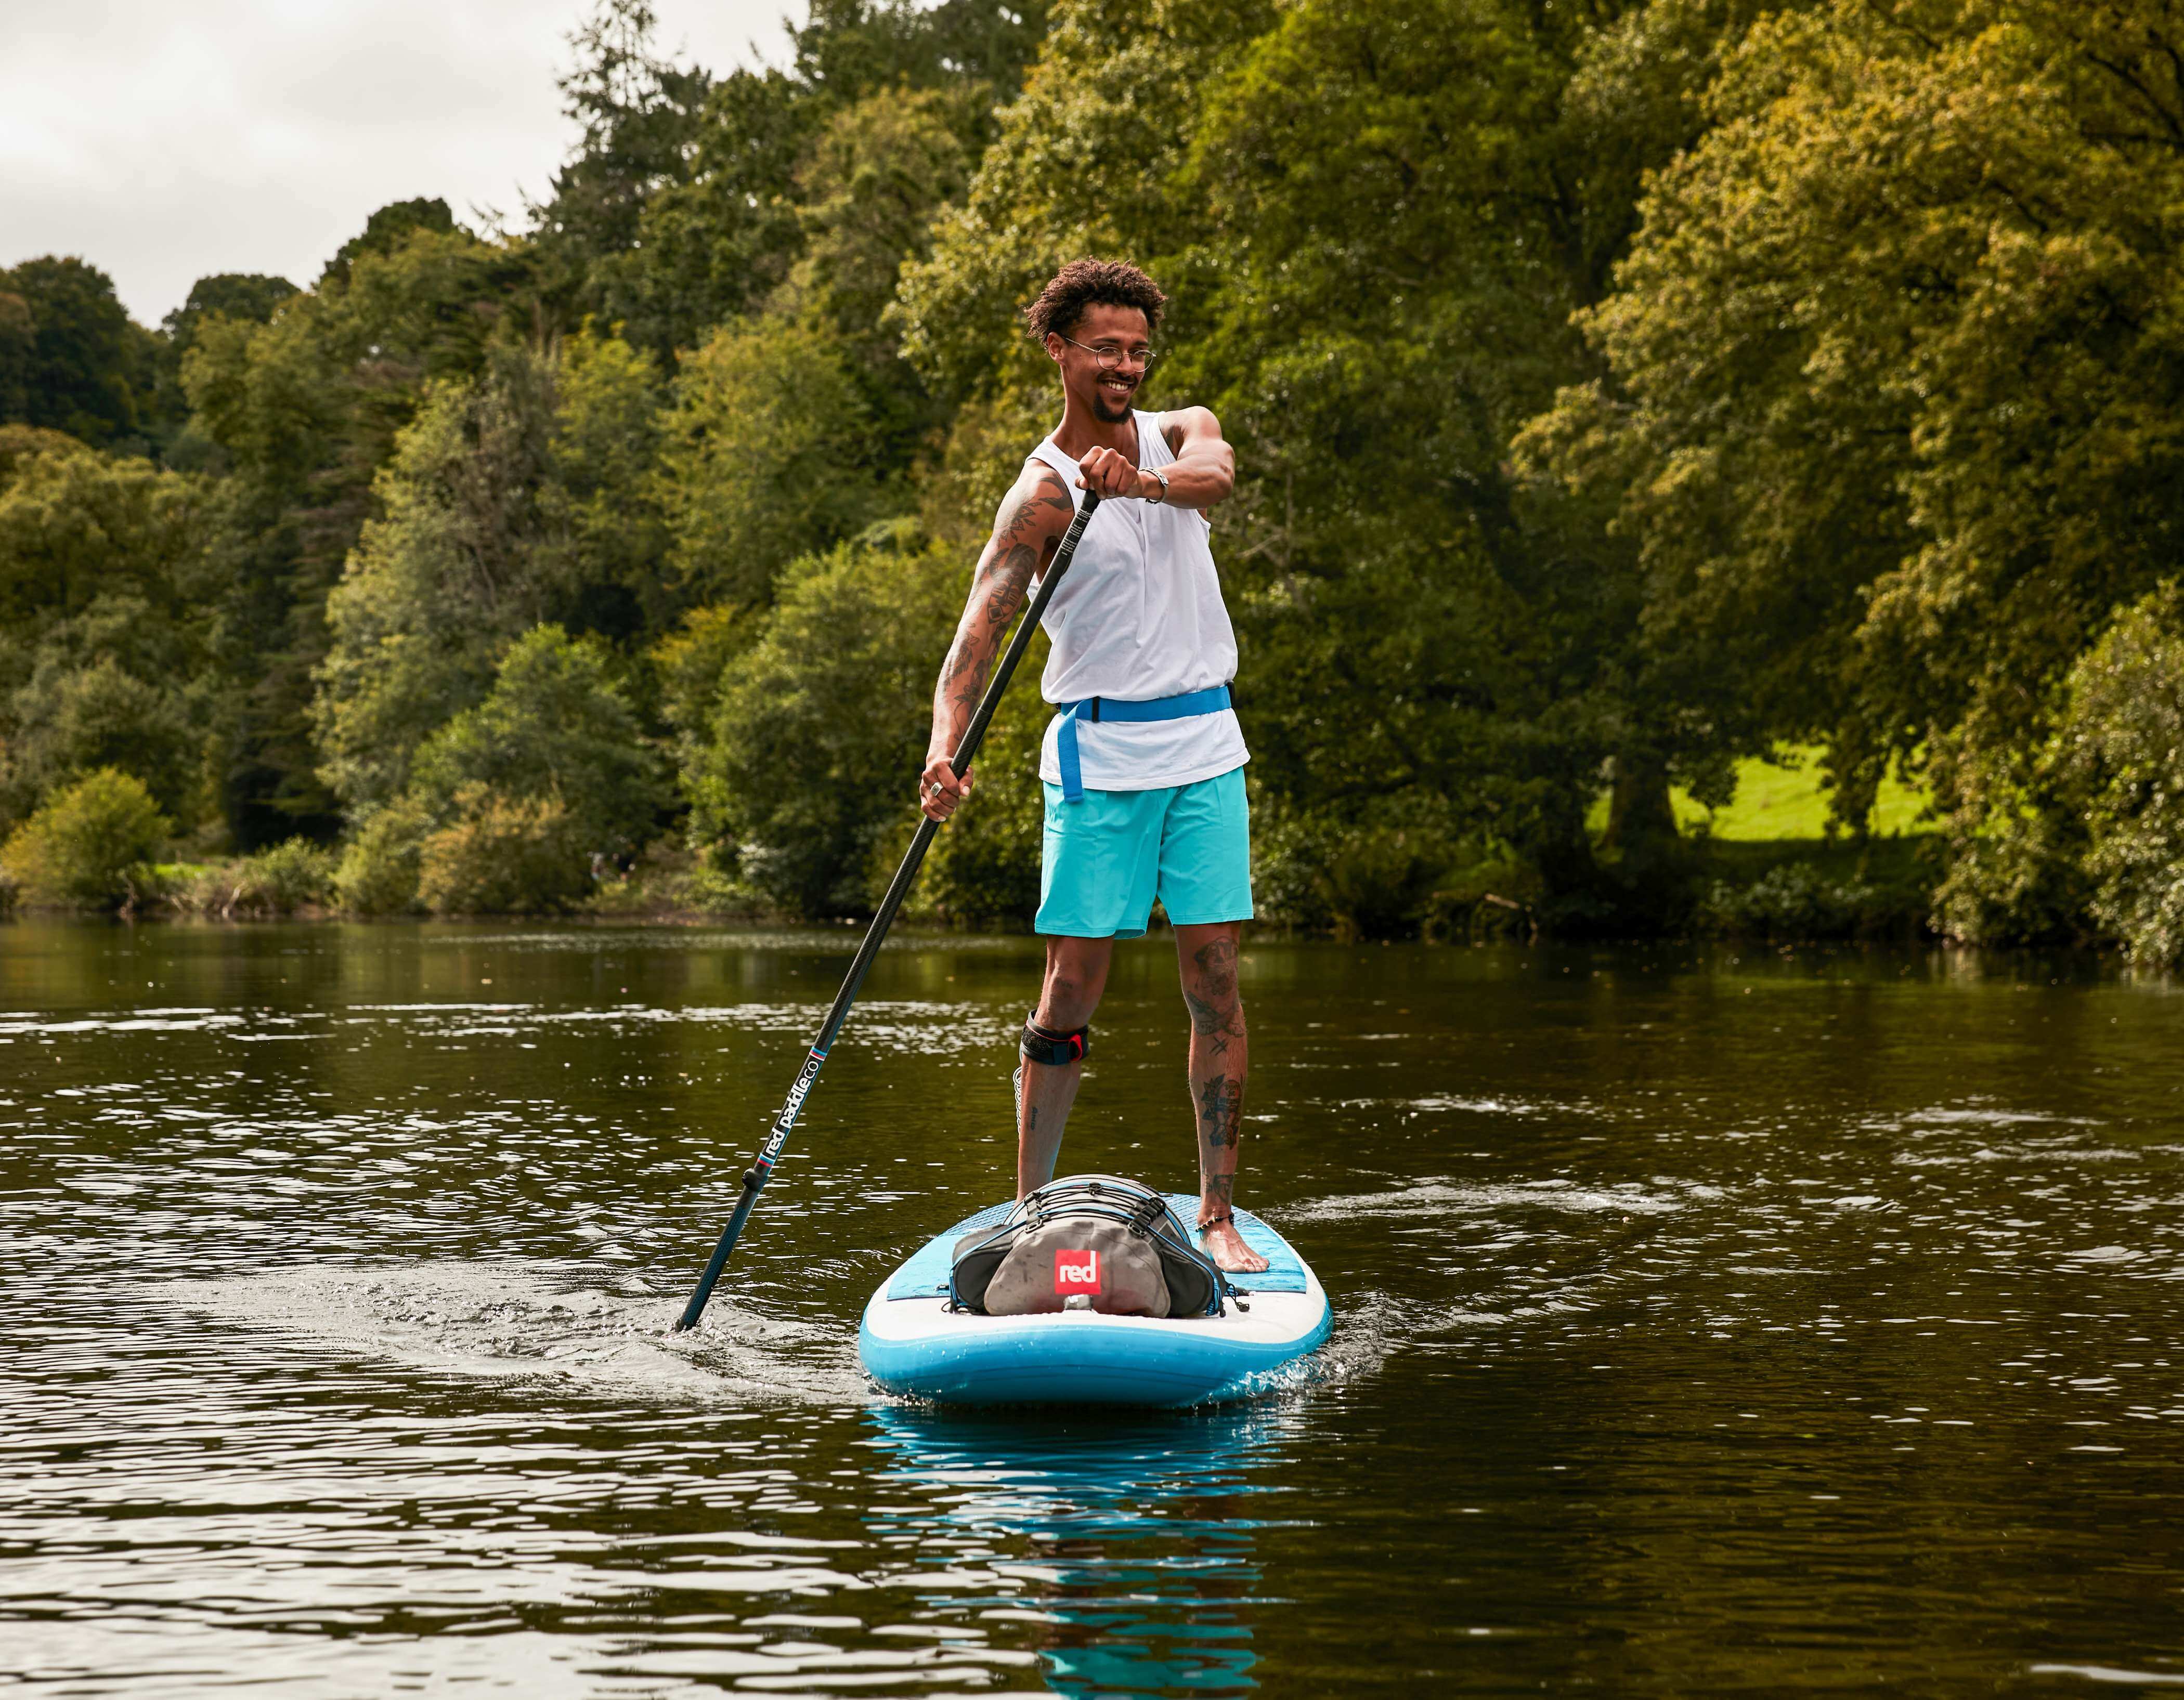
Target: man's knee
<point>1066,1004</point>
<point>1209,980</point>
<point>1075,978</point>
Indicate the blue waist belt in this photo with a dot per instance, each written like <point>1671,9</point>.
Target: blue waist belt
<point>1211,701</point>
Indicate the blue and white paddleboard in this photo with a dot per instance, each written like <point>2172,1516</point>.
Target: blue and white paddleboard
<point>912,1343</point>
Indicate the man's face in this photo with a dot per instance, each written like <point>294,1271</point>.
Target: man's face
<point>1116,329</point>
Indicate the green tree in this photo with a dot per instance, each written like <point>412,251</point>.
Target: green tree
<point>2120,743</point>
<point>103,649</point>
<point>686,221</point>
<point>513,499</point>
<point>71,359</point>
<point>765,459</point>
<point>248,297</point>
<point>1889,421</point>
<point>819,727</point>
<point>387,232</point>
<point>439,584</point>
<point>637,118</point>
<point>868,188</point>
<point>601,500</point>
<point>303,412</point>
<point>554,727</point>
<point>19,347</point>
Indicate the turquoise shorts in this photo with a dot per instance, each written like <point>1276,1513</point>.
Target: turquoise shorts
<point>1109,856</point>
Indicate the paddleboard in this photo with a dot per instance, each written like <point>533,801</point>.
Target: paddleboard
<point>912,1343</point>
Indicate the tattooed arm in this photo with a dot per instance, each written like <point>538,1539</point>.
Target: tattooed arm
<point>1027,532</point>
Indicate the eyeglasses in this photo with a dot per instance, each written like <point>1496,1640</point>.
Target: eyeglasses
<point>1110,356</point>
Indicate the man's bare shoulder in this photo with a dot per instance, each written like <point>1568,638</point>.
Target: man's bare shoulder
<point>1185,426</point>
<point>1039,505</point>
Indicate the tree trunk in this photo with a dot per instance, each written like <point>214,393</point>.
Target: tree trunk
<point>1640,816</point>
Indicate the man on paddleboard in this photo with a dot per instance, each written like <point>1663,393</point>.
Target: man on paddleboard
<point>1142,764</point>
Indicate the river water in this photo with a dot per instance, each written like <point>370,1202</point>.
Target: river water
<point>1708,1322</point>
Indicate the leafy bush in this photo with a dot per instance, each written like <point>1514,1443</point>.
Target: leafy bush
<point>69,719</point>
<point>2018,875</point>
<point>505,855</point>
<point>555,726</point>
<point>1794,902</point>
<point>378,872</point>
<point>91,844</point>
<point>2084,831</point>
<point>1329,871</point>
<point>1802,902</point>
<point>291,876</point>
<point>2120,749</point>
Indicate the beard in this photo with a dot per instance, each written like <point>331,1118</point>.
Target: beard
<point>1109,408</point>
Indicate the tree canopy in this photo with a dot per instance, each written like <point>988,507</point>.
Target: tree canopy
<point>1620,393</point>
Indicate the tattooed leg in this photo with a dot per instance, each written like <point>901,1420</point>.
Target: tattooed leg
<point>1076,975</point>
<point>1219,1062</point>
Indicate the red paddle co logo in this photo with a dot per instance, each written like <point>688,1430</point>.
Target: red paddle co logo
<point>1077,1272</point>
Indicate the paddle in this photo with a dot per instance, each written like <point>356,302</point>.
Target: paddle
<point>755,1176</point>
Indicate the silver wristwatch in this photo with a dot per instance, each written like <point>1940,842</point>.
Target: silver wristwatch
<point>1162,476</point>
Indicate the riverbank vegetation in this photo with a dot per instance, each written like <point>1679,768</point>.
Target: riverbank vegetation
<point>1634,404</point>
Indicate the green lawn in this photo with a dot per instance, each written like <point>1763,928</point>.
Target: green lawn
<point>1776,800</point>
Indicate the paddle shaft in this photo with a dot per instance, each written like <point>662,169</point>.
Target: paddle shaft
<point>762,1169</point>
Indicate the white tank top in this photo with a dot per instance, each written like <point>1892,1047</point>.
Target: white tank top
<point>1139,615</point>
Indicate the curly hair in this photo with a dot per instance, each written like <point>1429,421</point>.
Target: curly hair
<point>1085,283</point>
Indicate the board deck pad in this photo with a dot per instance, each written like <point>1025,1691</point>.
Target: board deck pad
<point>926,1275</point>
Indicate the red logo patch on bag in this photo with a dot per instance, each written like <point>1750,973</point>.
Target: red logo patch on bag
<point>1076,1271</point>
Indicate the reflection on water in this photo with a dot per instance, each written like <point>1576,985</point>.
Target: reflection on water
<point>1133,1541</point>
<point>1703,1325</point>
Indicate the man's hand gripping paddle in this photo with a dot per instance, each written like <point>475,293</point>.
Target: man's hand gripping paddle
<point>755,1176</point>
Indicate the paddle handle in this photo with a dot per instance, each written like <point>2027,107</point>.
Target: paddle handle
<point>967,750</point>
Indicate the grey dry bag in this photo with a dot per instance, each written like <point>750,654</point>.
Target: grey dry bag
<point>1111,1242</point>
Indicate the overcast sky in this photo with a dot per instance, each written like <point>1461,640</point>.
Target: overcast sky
<point>163,142</point>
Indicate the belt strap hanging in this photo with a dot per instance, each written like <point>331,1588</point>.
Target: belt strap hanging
<point>1211,701</point>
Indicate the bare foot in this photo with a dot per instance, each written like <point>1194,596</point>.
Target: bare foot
<point>1226,1247</point>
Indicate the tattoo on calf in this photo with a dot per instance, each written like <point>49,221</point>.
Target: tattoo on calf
<point>1221,1112</point>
